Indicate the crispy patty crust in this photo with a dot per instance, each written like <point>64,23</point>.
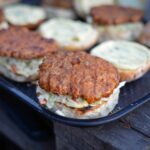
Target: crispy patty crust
<point>78,74</point>
<point>20,43</point>
<point>113,14</point>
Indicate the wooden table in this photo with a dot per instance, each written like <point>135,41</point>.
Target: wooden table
<point>11,130</point>
<point>129,133</point>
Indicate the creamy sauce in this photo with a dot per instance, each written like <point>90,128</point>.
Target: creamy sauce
<point>124,55</point>
<point>24,14</point>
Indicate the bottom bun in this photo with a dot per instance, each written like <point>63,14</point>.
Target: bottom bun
<point>64,106</point>
<point>20,70</point>
<point>4,71</point>
<point>94,112</point>
<point>128,31</point>
<point>131,75</point>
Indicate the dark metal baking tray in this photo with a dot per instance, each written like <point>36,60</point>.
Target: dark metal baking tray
<point>132,96</point>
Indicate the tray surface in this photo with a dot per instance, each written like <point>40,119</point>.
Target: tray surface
<point>132,96</point>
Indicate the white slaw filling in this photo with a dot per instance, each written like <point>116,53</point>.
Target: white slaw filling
<point>25,68</point>
<point>51,98</point>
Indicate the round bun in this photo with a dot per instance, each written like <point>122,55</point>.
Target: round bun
<point>131,59</point>
<point>78,74</point>
<point>101,109</point>
<point>127,31</point>
<point>18,78</point>
<point>71,35</point>
<point>24,15</point>
<point>20,43</point>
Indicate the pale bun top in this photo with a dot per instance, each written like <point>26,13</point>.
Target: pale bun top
<point>21,14</point>
<point>123,54</point>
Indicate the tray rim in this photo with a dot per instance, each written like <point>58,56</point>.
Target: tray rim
<point>10,88</point>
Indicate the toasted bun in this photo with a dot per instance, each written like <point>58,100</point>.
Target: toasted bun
<point>96,112</point>
<point>131,59</point>
<point>7,73</point>
<point>27,16</point>
<point>67,107</point>
<point>71,35</point>
<point>128,31</point>
<point>83,7</point>
<point>20,70</point>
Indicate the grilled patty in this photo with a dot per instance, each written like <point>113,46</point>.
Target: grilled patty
<point>113,14</point>
<point>20,43</point>
<point>78,74</point>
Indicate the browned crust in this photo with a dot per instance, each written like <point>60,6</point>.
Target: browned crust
<point>29,26</point>
<point>145,36</point>
<point>131,75</point>
<point>113,14</point>
<point>78,74</point>
<point>18,42</point>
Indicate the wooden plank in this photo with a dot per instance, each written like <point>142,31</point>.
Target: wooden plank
<point>139,119</point>
<point>62,144</point>
<point>121,137</point>
<point>17,136</point>
<point>111,136</point>
<point>72,138</point>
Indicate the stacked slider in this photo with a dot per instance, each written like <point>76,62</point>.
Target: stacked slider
<point>117,22</point>
<point>21,52</point>
<point>78,85</point>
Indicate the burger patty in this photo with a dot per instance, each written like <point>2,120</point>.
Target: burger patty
<point>113,14</point>
<point>79,75</point>
<point>21,43</point>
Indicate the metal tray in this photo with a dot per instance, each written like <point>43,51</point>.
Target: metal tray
<point>132,96</point>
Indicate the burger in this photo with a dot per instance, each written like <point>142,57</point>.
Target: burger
<point>21,53</point>
<point>117,22</point>
<point>78,85</point>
